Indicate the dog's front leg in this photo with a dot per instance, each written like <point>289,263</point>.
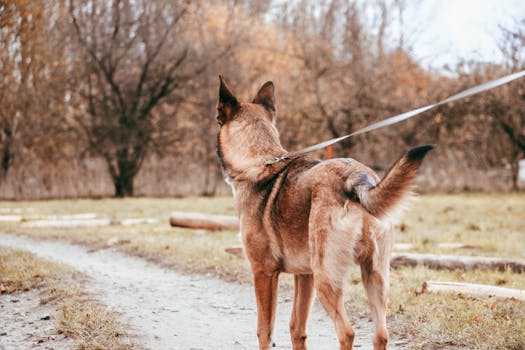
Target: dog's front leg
<point>266,294</point>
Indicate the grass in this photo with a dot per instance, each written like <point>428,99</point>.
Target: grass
<point>21,271</point>
<point>492,222</point>
<point>182,249</point>
<point>92,325</point>
<point>85,321</point>
<point>434,320</point>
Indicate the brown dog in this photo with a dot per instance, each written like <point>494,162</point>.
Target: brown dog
<point>312,218</point>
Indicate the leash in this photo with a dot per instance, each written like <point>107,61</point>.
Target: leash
<point>403,116</point>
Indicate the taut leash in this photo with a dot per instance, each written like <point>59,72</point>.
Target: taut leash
<point>403,116</point>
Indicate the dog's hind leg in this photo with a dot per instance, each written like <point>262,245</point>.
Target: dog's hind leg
<point>375,276</point>
<point>375,288</point>
<point>266,294</point>
<point>304,292</point>
<point>331,297</point>
<point>331,246</point>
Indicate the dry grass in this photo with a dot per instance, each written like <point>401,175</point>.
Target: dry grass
<point>433,320</point>
<point>92,325</point>
<point>21,271</point>
<point>172,247</point>
<point>494,223</point>
<point>87,322</point>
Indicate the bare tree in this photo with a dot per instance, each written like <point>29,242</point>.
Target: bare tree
<point>31,79</point>
<point>134,83</point>
<point>354,72</point>
<point>509,110</point>
<point>136,56</point>
<point>505,106</point>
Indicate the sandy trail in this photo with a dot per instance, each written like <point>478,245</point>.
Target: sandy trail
<point>25,324</point>
<point>169,310</point>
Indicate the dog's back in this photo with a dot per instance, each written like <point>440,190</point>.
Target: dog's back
<point>282,205</point>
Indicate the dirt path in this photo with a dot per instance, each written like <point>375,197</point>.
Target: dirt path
<point>168,310</point>
<point>25,324</point>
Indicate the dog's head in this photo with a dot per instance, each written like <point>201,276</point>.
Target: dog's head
<point>230,108</point>
<point>247,136</point>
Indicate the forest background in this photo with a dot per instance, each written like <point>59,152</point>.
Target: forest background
<point>104,98</point>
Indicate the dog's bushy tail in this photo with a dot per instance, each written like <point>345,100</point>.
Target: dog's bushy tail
<point>381,200</point>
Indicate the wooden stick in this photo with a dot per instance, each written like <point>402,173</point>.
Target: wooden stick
<point>211,222</point>
<point>478,290</point>
<point>453,262</point>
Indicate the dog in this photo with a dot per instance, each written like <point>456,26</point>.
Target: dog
<point>314,219</point>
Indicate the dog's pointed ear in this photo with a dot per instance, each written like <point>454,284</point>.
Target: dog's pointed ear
<point>266,96</point>
<point>227,104</point>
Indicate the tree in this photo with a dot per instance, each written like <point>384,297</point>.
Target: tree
<point>135,57</point>
<point>509,110</point>
<point>504,106</point>
<point>31,79</point>
<point>350,75</point>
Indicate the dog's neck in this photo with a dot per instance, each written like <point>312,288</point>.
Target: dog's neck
<point>245,148</point>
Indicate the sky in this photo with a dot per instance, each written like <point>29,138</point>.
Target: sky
<point>448,30</point>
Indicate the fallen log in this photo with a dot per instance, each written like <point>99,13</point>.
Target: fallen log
<point>212,222</point>
<point>456,262</point>
<point>67,223</point>
<point>80,216</point>
<point>11,218</point>
<point>477,290</point>
<point>134,221</point>
<point>88,222</point>
<point>453,245</point>
<point>18,218</point>
<point>410,246</point>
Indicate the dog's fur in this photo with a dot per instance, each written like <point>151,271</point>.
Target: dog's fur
<point>312,218</point>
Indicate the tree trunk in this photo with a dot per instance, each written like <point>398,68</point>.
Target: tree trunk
<point>123,185</point>
<point>517,145</point>
<point>514,167</point>
<point>127,169</point>
<point>6,156</point>
<point>5,162</point>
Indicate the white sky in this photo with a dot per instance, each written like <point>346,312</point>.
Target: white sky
<point>448,30</point>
